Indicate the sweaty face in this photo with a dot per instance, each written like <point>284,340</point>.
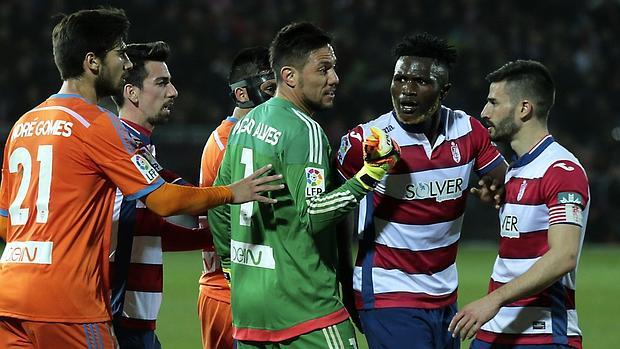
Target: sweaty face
<point>416,89</point>
<point>156,97</point>
<point>498,114</point>
<point>113,68</point>
<point>318,79</point>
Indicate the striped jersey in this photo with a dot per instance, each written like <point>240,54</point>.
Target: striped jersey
<point>62,164</point>
<point>410,226</point>
<point>283,257</point>
<point>212,280</point>
<point>139,238</point>
<point>545,186</point>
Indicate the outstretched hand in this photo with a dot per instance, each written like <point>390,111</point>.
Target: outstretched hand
<point>468,321</point>
<point>490,191</point>
<point>248,189</point>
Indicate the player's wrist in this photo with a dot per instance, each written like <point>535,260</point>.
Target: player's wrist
<point>369,176</point>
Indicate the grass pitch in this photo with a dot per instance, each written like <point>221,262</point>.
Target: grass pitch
<point>598,287</point>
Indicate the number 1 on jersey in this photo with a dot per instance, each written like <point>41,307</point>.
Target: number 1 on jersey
<point>245,213</point>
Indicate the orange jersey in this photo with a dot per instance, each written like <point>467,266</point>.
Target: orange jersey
<point>62,164</point>
<point>212,280</point>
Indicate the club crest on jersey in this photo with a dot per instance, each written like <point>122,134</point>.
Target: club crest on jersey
<point>521,190</point>
<point>315,181</point>
<point>345,145</point>
<point>144,166</point>
<point>570,198</point>
<point>456,153</point>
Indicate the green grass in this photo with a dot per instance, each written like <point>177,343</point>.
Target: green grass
<point>598,286</point>
<point>598,283</point>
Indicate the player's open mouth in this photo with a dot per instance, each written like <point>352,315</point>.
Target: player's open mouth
<point>488,124</point>
<point>331,93</point>
<point>408,107</point>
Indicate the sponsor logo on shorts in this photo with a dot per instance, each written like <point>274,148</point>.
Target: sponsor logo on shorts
<point>144,166</point>
<point>28,252</point>
<point>315,181</point>
<point>260,256</point>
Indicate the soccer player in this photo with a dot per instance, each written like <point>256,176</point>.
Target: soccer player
<point>63,161</point>
<point>283,257</point>
<point>405,278</point>
<point>531,299</point>
<point>140,237</point>
<point>251,83</point>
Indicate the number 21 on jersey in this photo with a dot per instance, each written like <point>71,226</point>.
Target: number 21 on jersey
<point>20,157</point>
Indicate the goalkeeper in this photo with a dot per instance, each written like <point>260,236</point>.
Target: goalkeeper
<point>283,257</point>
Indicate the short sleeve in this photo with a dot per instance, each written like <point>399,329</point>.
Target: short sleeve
<point>110,147</point>
<point>566,193</point>
<point>350,158</point>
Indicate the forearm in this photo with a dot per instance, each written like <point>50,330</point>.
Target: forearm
<point>171,199</point>
<point>327,209</point>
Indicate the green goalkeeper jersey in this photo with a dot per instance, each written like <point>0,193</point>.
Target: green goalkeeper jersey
<point>283,257</point>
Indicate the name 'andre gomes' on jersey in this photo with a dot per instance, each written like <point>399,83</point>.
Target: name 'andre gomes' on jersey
<point>265,133</point>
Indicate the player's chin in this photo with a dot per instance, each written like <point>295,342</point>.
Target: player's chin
<point>410,119</point>
<point>328,101</point>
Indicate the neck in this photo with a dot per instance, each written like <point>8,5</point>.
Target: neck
<point>288,94</point>
<point>82,87</point>
<point>239,113</point>
<point>129,112</point>
<point>528,136</point>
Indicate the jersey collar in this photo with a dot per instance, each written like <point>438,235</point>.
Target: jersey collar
<point>534,152</point>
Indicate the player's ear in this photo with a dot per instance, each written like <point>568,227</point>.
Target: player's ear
<point>289,75</point>
<point>241,94</point>
<point>526,110</point>
<point>131,93</point>
<point>92,62</point>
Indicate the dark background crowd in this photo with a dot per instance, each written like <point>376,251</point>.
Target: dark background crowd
<point>577,40</point>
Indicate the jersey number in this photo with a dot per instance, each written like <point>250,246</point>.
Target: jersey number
<point>21,156</point>
<point>245,213</point>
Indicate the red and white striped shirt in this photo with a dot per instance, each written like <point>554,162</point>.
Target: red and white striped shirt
<point>545,186</point>
<point>411,224</point>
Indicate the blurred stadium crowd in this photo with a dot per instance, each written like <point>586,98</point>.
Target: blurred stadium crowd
<point>577,40</point>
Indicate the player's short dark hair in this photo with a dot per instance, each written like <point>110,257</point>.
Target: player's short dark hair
<point>294,43</point>
<point>427,45</point>
<point>528,79</point>
<point>139,54</point>
<point>249,62</point>
<point>97,31</point>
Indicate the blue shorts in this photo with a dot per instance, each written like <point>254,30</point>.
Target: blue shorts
<point>478,344</point>
<point>388,328</point>
<point>129,338</point>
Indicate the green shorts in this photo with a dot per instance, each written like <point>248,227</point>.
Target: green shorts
<point>339,336</point>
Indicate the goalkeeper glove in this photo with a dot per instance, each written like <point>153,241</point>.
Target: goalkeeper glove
<point>380,154</point>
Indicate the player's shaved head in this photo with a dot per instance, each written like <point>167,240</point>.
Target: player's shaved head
<point>430,46</point>
<point>527,79</point>
<point>97,31</point>
<point>294,43</point>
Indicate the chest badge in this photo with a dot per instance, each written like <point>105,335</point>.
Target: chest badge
<point>522,190</point>
<point>456,153</point>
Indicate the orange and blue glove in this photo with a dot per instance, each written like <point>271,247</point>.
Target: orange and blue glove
<point>380,154</point>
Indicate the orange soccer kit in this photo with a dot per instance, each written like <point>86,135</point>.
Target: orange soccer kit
<point>63,161</point>
<point>214,298</point>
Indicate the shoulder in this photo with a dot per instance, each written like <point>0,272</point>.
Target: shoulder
<point>459,123</point>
